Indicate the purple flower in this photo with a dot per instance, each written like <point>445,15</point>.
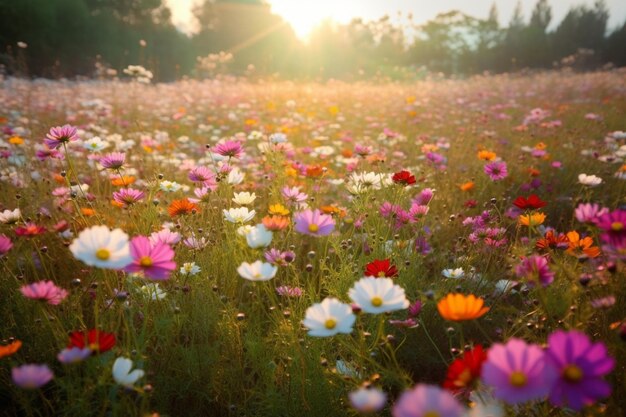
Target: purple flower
<point>518,372</point>
<point>31,376</point>
<point>73,355</point>
<point>415,308</point>
<point>314,223</point>
<point>113,160</point>
<point>581,364</point>
<point>496,170</point>
<point>59,135</point>
<point>155,261</point>
<point>45,291</point>
<point>535,270</point>
<point>588,213</point>
<point>425,401</point>
<point>277,257</point>
<point>5,245</point>
<point>128,196</point>
<point>424,197</point>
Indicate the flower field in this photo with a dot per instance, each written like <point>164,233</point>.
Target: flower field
<point>439,248</point>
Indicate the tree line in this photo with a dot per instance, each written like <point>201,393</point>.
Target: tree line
<point>66,38</point>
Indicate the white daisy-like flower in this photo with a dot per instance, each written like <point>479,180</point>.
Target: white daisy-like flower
<point>590,180</point>
<point>95,144</point>
<point>153,292</point>
<point>367,400</point>
<point>257,271</point>
<point>169,186</point>
<point>453,273</point>
<point>378,295</point>
<point>122,373</point>
<point>244,198</point>
<point>259,237</point>
<point>190,268</point>
<point>235,176</point>
<point>100,247</point>
<point>10,216</point>
<point>329,318</point>
<point>238,215</point>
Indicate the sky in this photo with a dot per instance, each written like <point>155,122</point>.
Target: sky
<point>304,15</point>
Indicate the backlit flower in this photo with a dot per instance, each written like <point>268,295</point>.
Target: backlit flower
<point>458,307</point>
<point>463,372</point>
<point>182,207</point>
<point>535,270</point>
<point>313,223</point>
<point>257,271</point>
<point>329,318</point>
<point>96,340</point>
<point>378,295</point>
<point>380,268</point>
<point>60,135</point>
<point>100,247</point>
<point>154,261</point>
<point>589,180</point>
<point>45,291</point>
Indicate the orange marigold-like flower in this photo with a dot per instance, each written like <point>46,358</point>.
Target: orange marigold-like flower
<point>467,186</point>
<point>486,155</point>
<point>278,209</point>
<point>182,207</point>
<point>582,248</point>
<point>314,171</point>
<point>123,181</point>
<point>10,349</point>
<point>86,211</point>
<point>458,307</point>
<point>275,223</point>
<point>533,219</point>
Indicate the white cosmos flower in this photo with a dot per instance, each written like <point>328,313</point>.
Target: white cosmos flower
<point>122,372</point>
<point>257,271</point>
<point>95,144</point>
<point>189,268</point>
<point>590,180</point>
<point>238,215</point>
<point>153,291</point>
<point>235,176</point>
<point>367,400</point>
<point>329,318</point>
<point>98,246</point>
<point>169,186</point>
<point>244,198</point>
<point>10,216</point>
<point>259,237</point>
<point>453,273</point>
<point>378,295</point>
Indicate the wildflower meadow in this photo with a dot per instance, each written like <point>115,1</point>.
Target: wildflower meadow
<point>256,247</point>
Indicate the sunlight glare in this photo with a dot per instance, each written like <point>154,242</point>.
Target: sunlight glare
<point>305,16</point>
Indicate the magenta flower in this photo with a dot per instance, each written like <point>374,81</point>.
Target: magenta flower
<point>292,292</point>
<point>518,372</point>
<point>113,160</point>
<point>60,135</point>
<point>426,401</point>
<point>155,261</point>
<point>314,223</point>
<point>534,269</point>
<point>5,245</point>
<point>203,175</point>
<point>496,170</point>
<point>277,257</point>
<point>424,197</point>
<point>45,291</point>
<point>580,364</point>
<point>128,196</point>
<point>614,226</point>
<point>229,148</point>
<point>588,213</point>
<point>31,376</point>
<point>293,195</point>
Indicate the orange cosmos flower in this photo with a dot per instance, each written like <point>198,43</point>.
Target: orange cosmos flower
<point>10,349</point>
<point>533,219</point>
<point>16,140</point>
<point>182,207</point>
<point>552,241</point>
<point>486,155</point>
<point>541,146</point>
<point>534,172</point>
<point>467,186</point>
<point>458,307</point>
<point>122,181</point>
<point>86,211</point>
<point>333,211</point>
<point>314,171</point>
<point>275,223</point>
<point>581,248</point>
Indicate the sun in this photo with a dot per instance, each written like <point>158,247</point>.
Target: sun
<point>305,16</point>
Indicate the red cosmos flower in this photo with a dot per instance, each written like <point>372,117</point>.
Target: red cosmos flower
<point>464,371</point>
<point>29,230</point>
<point>532,202</point>
<point>403,177</point>
<point>380,268</point>
<point>94,339</point>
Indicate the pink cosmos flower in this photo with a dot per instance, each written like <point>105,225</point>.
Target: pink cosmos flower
<point>155,261</point>
<point>60,135</point>
<point>203,175</point>
<point>5,245</point>
<point>229,148</point>
<point>31,376</point>
<point>496,170</point>
<point>314,223</point>
<point>113,160</point>
<point>589,213</point>
<point>128,196</point>
<point>45,291</point>
<point>535,270</point>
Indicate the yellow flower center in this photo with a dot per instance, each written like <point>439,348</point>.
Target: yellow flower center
<point>381,274</point>
<point>313,228</point>
<point>145,261</point>
<point>103,254</point>
<point>572,373</point>
<point>377,301</point>
<point>94,346</point>
<point>431,413</point>
<point>463,379</point>
<point>617,226</point>
<point>518,379</point>
<point>330,324</point>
